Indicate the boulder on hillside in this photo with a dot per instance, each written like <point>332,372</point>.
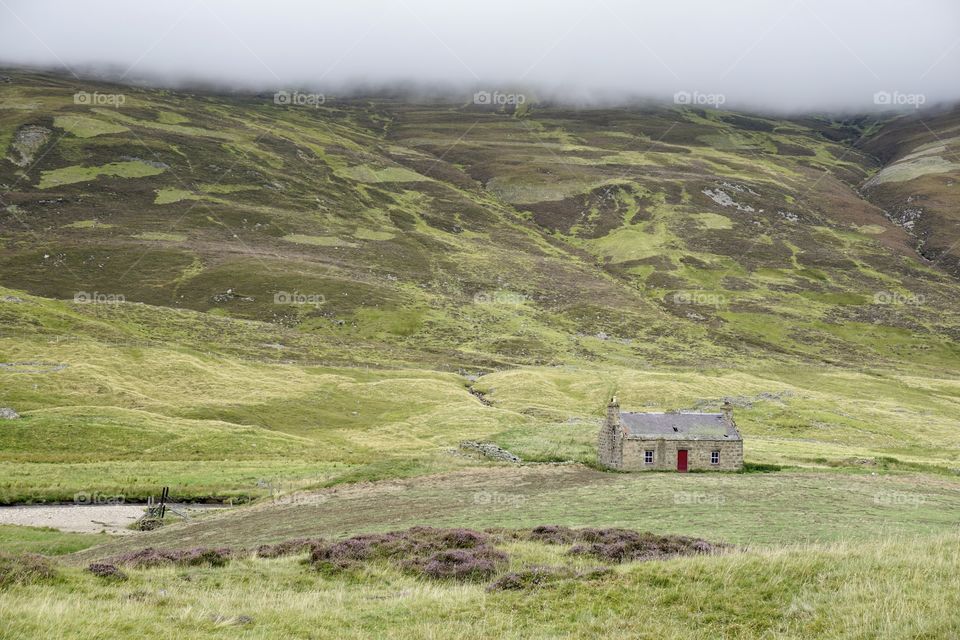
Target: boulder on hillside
<point>6,413</point>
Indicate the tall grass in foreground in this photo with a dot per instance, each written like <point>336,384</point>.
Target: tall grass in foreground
<point>895,588</point>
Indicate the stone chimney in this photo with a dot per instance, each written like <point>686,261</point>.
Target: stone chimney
<point>613,412</point>
<point>727,412</point>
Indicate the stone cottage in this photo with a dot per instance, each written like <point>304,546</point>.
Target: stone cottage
<point>670,441</point>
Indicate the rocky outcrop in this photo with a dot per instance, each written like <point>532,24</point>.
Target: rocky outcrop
<point>26,143</point>
<point>6,413</point>
<point>723,199</point>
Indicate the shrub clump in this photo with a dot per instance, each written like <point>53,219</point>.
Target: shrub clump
<point>24,569</point>
<point>477,563</point>
<point>459,554</point>
<point>624,545</point>
<point>106,570</point>
<point>552,534</point>
<point>288,547</point>
<point>618,545</point>
<point>525,579</point>
<point>147,524</point>
<point>151,557</point>
<point>533,577</point>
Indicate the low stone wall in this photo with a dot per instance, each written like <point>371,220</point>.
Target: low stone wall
<point>490,450</point>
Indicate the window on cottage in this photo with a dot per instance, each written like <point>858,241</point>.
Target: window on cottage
<point>714,457</point>
<point>648,456</point>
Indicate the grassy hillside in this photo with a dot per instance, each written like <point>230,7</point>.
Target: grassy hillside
<point>123,415</point>
<point>226,295</point>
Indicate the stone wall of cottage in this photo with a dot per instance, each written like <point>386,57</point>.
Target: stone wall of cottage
<point>665,454</point>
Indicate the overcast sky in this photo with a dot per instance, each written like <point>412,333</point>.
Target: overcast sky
<point>785,54</point>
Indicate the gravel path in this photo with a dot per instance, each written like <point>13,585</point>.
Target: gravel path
<point>86,518</point>
<point>112,518</point>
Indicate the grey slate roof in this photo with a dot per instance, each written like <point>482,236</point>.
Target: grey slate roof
<point>678,426</point>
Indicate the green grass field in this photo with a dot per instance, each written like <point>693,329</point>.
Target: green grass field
<point>46,541</point>
<point>784,507</point>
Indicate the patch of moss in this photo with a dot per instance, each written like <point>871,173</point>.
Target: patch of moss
<point>75,174</point>
<point>88,224</point>
<point>161,236</point>
<point>86,127</point>
<point>363,173</point>
<point>369,234</point>
<point>317,241</point>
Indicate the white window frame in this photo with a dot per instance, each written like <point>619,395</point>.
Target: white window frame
<point>648,456</point>
<point>715,456</point>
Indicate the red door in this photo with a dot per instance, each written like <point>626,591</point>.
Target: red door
<point>682,460</point>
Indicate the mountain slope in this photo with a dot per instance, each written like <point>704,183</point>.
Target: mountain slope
<point>462,234</point>
<point>918,187</point>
